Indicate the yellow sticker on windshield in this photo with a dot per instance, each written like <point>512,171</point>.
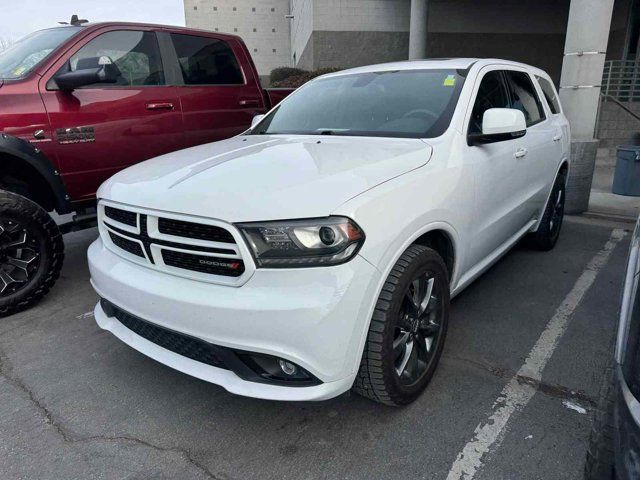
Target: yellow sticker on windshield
<point>450,81</point>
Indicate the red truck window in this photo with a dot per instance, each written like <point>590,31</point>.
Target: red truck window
<point>135,53</point>
<point>206,61</point>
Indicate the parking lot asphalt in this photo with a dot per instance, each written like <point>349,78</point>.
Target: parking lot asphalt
<point>76,403</point>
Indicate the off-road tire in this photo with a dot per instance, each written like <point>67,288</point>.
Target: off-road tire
<point>50,245</point>
<point>546,237</point>
<point>600,460</point>
<point>376,377</point>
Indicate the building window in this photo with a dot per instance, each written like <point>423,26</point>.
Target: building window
<point>195,7</point>
<point>234,9</point>
<point>273,30</point>
<point>216,29</point>
<point>255,49</point>
<point>273,9</point>
<point>253,9</point>
<point>255,30</point>
<point>235,29</point>
<point>215,9</point>
<point>274,50</point>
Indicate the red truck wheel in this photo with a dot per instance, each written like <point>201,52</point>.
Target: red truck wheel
<point>31,252</point>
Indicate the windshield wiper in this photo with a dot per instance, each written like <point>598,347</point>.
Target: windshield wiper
<point>330,131</point>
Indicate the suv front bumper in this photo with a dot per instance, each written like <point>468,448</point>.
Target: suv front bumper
<point>316,318</point>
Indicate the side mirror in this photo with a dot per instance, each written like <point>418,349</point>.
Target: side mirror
<point>498,125</point>
<point>104,71</point>
<point>256,120</point>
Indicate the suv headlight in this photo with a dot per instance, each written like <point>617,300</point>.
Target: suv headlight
<point>303,243</point>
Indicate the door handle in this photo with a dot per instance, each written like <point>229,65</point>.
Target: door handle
<point>521,152</point>
<point>160,106</point>
<point>557,137</point>
<point>249,103</point>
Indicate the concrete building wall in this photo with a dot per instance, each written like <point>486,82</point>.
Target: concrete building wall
<point>301,30</point>
<point>260,23</point>
<point>617,127</point>
<point>529,31</point>
<point>361,15</point>
<point>349,33</point>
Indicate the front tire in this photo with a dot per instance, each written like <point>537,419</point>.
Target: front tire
<point>546,237</point>
<point>31,253</point>
<point>407,330</point>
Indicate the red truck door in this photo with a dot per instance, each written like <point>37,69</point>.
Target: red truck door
<point>220,93</point>
<point>102,128</point>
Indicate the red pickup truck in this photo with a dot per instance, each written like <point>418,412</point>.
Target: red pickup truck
<point>80,102</point>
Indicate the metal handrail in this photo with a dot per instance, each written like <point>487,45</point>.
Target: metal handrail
<point>621,80</point>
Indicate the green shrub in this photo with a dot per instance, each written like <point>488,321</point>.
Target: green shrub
<point>295,81</point>
<point>280,73</point>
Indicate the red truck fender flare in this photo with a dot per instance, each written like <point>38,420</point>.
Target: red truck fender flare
<point>31,155</point>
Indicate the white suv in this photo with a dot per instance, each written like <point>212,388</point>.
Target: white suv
<point>319,250</point>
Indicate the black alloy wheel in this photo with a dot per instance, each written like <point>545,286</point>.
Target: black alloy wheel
<point>31,252</point>
<point>408,329</point>
<point>418,328</point>
<point>19,256</point>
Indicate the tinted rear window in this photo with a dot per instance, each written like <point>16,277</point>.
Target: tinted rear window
<point>206,61</point>
<point>549,94</point>
<point>524,97</point>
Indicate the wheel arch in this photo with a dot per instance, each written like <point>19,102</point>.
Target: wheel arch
<point>441,241</point>
<point>440,234</point>
<point>22,162</point>
<point>563,168</point>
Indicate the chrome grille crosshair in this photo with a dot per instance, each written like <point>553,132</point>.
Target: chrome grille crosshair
<point>203,251</point>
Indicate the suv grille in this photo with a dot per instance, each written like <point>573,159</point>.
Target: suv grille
<point>200,231</point>
<point>195,250</point>
<point>179,343</point>
<point>122,216</point>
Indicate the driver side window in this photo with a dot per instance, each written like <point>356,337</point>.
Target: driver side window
<point>136,54</point>
<point>491,94</point>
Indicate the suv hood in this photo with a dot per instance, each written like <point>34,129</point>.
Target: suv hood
<point>257,178</point>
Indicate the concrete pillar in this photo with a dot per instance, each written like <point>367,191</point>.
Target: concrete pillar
<point>582,66</point>
<point>418,29</point>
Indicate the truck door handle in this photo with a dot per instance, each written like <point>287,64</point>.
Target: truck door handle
<point>521,152</point>
<point>160,106</point>
<point>557,137</point>
<point>249,103</point>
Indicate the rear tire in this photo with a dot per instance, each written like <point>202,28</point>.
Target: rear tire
<point>31,253</point>
<point>407,330</point>
<point>546,237</point>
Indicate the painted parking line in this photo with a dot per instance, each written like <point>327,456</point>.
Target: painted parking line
<point>516,394</point>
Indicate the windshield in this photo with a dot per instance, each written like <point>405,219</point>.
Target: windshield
<point>20,58</point>
<point>404,103</point>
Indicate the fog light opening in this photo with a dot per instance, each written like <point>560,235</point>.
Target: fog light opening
<point>287,368</point>
<point>276,370</point>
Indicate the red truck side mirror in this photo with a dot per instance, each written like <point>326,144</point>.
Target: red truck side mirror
<point>105,72</point>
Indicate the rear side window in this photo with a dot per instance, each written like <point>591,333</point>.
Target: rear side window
<point>136,54</point>
<point>549,94</point>
<point>492,93</point>
<point>206,61</point>
<point>524,97</point>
